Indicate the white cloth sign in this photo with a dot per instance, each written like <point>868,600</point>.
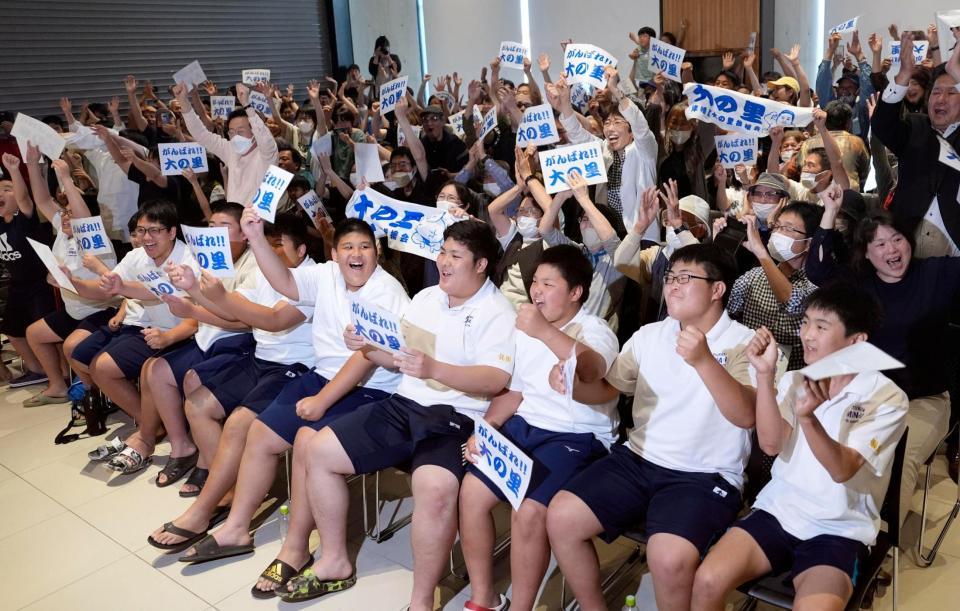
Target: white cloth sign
<point>27,129</point>
<point>311,204</point>
<point>585,64</point>
<point>847,26</point>
<point>740,112</point>
<point>271,189</point>
<point>378,327</point>
<point>666,58</point>
<point>254,76</point>
<point>502,462</point>
<point>260,103</point>
<point>50,262</point>
<point>367,157</point>
<point>91,236</point>
<point>948,156</point>
<point>190,75</point>
<point>409,227</point>
<point>222,105</point>
<point>391,92</point>
<point>558,163</point>
<point>512,55</point>
<point>855,358</point>
<point>488,123</point>
<point>734,149</point>
<point>537,127</point>
<point>211,247</point>
<point>175,157</point>
<point>919,51</point>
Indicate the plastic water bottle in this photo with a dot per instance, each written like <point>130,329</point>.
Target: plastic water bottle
<point>284,521</point>
<point>631,603</point>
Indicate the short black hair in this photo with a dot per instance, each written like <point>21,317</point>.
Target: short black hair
<point>857,308</point>
<point>573,265</point>
<point>730,74</point>
<point>284,145</point>
<point>467,200</point>
<point>292,226</point>
<point>299,182</point>
<point>479,239</point>
<point>505,82</point>
<point>54,119</point>
<point>237,113</point>
<point>809,213</point>
<point>402,151</point>
<point>838,115</point>
<point>669,37</point>
<point>613,217</point>
<point>381,42</point>
<point>135,136</point>
<point>160,211</point>
<point>820,152</point>
<point>647,30</point>
<point>717,262</point>
<point>234,209</point>
<point>352,225</point>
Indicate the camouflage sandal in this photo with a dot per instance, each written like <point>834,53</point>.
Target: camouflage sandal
<point>307,586</point>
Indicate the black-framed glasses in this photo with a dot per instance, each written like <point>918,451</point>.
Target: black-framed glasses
<point>153,231</point>
<point>684,278</point>
<point>778,226</point>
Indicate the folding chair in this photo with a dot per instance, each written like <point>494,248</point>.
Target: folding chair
<point>381,532</point>
<point>925,558</point>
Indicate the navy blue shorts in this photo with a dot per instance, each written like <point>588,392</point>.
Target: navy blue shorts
<point>62,324</point>
<point>247,381</point>
<point>26,305</point>
<point>399,432</point>
<point>125,346</point>
<point>557,457</point>
<point>626,492</point>
<point>784,551</point>
<point>221,353</point>
<point>281,415</point>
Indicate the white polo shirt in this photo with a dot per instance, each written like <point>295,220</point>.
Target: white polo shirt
<point>323,287</point>
<point>67,253</point>
<point>547,409</point>
<point>869,415</point>
<point>137,266</point>
<point>478,332</point>
<point>294,345</point>
<point>245,277</point>
<point>677,424</point>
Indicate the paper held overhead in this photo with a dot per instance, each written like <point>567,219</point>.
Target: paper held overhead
<point>857,358</point>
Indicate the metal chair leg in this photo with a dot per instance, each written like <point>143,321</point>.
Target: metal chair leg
<point>896,576</point>
<point>379,532</point>
<point>926,558</point>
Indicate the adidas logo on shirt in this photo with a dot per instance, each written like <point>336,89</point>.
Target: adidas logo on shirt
<point>6,252</point>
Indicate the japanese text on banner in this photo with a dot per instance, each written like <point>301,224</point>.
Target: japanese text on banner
<point>537,127</point>
<point>390,94</point>
<point>585,64</point>
<point>377,327</point>
<point>488,123</point>
<point>733,150</point>
<point>409,228</point>
<point>558,163</point>
<point>739,112</point>
<point>211,247</point>
<point>502,462</point>
<point>847,26</point>
<point>311,204</point>
<point>254,76</point>
<point>267,197</point>
<point>158,283</point>
<point>222,105</point>
<point>919,51</point>
<point>260,103</point>
<point>512,54</point>
<point>948,156</point>
<point>666,58</point>
<point>456,124</point>
<point>91,235</point>
<point>175,157</point>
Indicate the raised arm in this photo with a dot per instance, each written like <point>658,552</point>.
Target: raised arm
<point>772,429</point>
<point>833,149</point>
<point>78,206</point>
<point>274,270</point>
<point>136,116</point>
<point>543,62</point>
<point>578,185</point>
<point>313,92</point>
<point>20,191</point>
<point>413,142</point>
<point>38,184</point>
<point>67,107</point>
<point>793,57</point>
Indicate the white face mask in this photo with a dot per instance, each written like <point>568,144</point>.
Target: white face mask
<point>305,127</point>
<point>492,189</point>
<point>780,247</point>
<point>763,210</point>
<point>591,239</point>
<point>786,156</point>
<point>679,136</point>
<point>402,178</point>
<point>241,144</point>
<point>527,227</point>
<point>808,179</point>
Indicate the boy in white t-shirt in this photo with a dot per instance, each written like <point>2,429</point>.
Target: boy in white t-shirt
<point>680,473</point>
<point>457,354</point>
<point>835,440</point>
<point>561,435</point>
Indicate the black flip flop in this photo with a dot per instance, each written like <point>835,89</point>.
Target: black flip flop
<point>176,468</point>
<point>191,538</point>
<point>279,572</point>
<point>208,549</point>
<point>198,478</point>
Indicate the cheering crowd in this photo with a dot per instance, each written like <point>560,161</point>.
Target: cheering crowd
<point>640,339</point>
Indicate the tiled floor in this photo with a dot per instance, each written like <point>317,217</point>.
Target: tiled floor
<point>73,536</point>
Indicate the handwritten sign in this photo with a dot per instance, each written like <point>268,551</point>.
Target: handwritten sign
<point>211,247</point>
<point>585,64</point>
<point>847,26</point>
<point>91,236</point>
<point>409,228</point>
<point>175,157</point>
<point>222,105</point>
<point>666,58</point>
<point>367,157</point>
<point>50,262</point>
<point>948,156</point>
<point>580,96</point>
<point>254,76</point>
<point>488,123</point>
<point>260,103</point>
<point>158,283</point>
<point>733,150</point>
<point>537,127</point>
<point>377,327</point>
<point>502,462</point>
<point>739,112</point>
<point>512,55</point>
<point>585,158</point>
<point>752,44</point>
<point>402,138</point>
<point>391,92</point>
<point>27,129</point>
<point>455,123</point>
<point>190,75</point>
<point>271,189</point>
<point>920,48</point>
<point>311,204</point>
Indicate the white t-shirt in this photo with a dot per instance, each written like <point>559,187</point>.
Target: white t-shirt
<point>246,269</point>
<point>479,332</point>
<point>137,266</point>
<point>289,346</point>
<point>869,415</point>
<point>67,253</point>
<point>677,424</point>
<point>323,286</point>
<point>544,407</point>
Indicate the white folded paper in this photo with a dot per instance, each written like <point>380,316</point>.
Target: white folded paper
<point>857,358</point>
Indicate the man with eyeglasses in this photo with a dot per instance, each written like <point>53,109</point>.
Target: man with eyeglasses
<point>442,148</point>
<point>680,473</point>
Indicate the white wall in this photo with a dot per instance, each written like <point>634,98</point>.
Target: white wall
<point>877,15</point>
<point>799,22</point>
<point>397,19</point>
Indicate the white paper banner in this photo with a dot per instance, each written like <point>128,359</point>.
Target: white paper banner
<point>847,26</point>
<point>402,139</point>
<point>91,236</point>
<point>666,58</point>
<point>222,105</point>
<point>211,247</point>
<point>367,157</point>
<point>585,63</point>
<point>378,327</point>
<point>919,51</point>
<point>580,95</point>
<point>488,123</point>
<point>322,145</point>
<point>740,112</point>
<point>260,103</point>
<point>390,94</point>
<point>311,204</point>
<point>455,123</point>
<point>752,44</point>
<point>254,76</point>
<point>53,266</point>
<point>537,127</point>
<point>558,163</point>
<point>409,227</point>
<point>27,129</point>
<point>948,156</point>
<point>190,75</point>
<point>733,150</point>
<point>175,157</point>
<point>512,55</point>
<point>855,358</point>
<point>271,189</point>
<point>502,462</point>
<point>158,283</point>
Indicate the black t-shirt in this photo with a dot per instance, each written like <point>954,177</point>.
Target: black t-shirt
<point>178,191</point>
<point>26,269</point>
<point>449,153</point>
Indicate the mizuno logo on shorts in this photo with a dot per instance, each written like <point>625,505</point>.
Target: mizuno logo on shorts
<point>569,449</point>
<point>291,374</point>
